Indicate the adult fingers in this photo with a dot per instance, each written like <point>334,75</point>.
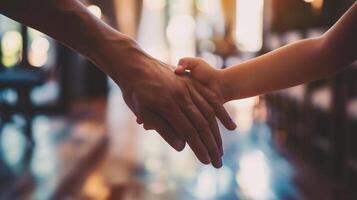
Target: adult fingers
<point>146,126</point>
<point>217,106</point>
<point>202,128</point>
<point>165,130</point>
<point>182,125</point>
<point>139,121</point>
<point>209,114</point>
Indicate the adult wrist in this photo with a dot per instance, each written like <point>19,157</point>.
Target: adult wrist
<point>125,62</point>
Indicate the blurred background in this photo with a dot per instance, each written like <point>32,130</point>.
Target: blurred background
<point>66,133</point>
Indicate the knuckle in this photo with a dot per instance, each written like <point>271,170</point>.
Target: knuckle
<point>183,60</point>
<point>189,106</point>
<point>199,59</point>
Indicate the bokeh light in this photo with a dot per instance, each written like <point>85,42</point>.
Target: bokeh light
<point>249,25</point>
<point>95,10</point>
<point>11,46</point>
<point>254,176</point>
<point>38,55</point>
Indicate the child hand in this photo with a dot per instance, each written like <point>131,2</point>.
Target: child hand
<point>198,69</point>
<point>204,73</point>
<point>207,81</point>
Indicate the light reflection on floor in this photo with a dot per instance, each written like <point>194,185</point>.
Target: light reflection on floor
<point>253,176</point>
<point>38,172</point>
<point>30,166</point>
<point>141,165</point>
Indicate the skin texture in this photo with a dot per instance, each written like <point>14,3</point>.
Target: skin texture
<point>180,115</point>
<point>297,63</point>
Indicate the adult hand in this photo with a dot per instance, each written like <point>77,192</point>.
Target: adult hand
<point>170,104</point>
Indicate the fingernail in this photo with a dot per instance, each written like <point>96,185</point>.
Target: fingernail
<point>218,164</point>
<point>206,160</point>
<point>233,124</point>
<point>179,145</point>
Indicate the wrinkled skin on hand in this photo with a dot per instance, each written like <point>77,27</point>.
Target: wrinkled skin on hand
<point>171,105</point>
<point>168,103</point>
<point>163,102</point>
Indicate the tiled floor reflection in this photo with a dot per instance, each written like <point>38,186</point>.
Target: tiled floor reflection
<point>61,148</point>
<point>22,166</point>
<point>93,154</point>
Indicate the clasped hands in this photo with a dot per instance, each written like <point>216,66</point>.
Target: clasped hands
<point>180,108</point>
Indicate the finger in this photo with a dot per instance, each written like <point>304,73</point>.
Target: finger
<point>198,69</point>
<point>182,125</point>
<point>186,64</point>
<point>180,70</point>
<point>139,121</point>
<point>202,127</point>
<point>218,107</point>
<point>165,130</point>
<point>209,114</point>
<point>148,126</point>
<point>204,132</point>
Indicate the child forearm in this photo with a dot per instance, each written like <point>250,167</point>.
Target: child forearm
<point>285,67</point>
<point>297,63</point>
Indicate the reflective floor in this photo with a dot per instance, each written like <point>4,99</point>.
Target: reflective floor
<point>93,154</point>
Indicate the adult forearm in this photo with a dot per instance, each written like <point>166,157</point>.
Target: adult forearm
<point>69,22</point>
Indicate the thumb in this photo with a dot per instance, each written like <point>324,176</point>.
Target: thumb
<point>180,70</point>
<point>199,69</point>
<point>186,64</point>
